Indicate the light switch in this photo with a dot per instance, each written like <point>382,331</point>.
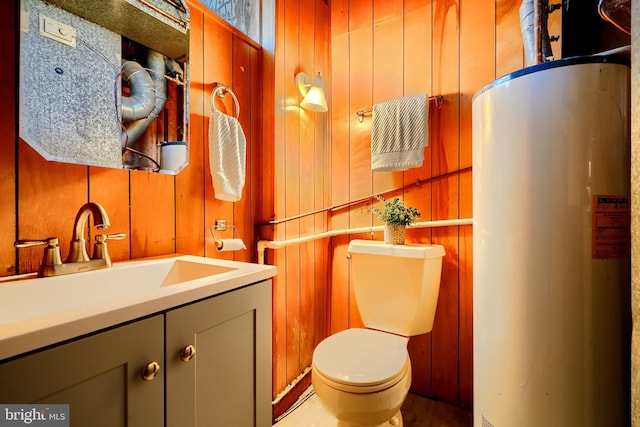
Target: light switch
<point>58,31</point>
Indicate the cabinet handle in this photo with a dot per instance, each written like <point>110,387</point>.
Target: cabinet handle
<point>187,353</point>
<point>150,370</point>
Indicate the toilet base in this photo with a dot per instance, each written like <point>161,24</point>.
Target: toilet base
<point>395,421</point>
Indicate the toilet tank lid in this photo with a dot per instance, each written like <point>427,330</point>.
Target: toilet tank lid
<point>411,250</point>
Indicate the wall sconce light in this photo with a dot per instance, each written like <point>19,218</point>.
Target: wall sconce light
<point>312,92</point>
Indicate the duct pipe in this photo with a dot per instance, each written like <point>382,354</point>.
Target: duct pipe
<point>148,96</point>
<point>535,34</point>
<point>141,101</point>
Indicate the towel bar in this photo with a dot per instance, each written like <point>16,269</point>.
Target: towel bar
<point>439,101</point>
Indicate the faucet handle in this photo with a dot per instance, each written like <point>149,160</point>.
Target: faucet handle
<point>52,242</point>
<point>115,236</point>
<point>51,257</point>
<point>100,247</point>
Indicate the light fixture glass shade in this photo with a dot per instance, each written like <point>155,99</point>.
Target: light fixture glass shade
<point>314,99</point>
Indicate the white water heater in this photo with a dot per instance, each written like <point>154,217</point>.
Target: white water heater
<point>551,245</point>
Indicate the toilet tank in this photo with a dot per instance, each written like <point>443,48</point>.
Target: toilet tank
<point>396,286</point>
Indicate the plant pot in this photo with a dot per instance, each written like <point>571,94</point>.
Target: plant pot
<point>394,234</point>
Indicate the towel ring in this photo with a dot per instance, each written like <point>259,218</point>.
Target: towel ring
<point>221,91</point>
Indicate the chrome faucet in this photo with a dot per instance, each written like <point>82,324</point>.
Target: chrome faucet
<point>78,259</point>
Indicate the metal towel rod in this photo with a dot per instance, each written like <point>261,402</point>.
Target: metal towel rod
<point>439,101</point>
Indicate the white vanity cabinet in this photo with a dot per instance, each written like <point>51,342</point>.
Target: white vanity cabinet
<point>214,358</point>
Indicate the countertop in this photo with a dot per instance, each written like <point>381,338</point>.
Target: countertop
<point>38,312</point>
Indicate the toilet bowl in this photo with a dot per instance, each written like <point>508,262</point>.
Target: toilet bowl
<point>362,377</point>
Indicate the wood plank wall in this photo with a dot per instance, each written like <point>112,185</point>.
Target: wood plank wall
<point>301,185</point>
<point>367,51</point>
<point>8,129</point>
<point>161,214</point>
<point>384,49</point>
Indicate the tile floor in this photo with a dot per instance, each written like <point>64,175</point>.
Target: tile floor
<point>417,411</point>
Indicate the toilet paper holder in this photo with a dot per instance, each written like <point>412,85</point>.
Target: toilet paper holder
<point>221,225</point>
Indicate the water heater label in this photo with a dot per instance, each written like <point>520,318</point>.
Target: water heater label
<point>611,234</point>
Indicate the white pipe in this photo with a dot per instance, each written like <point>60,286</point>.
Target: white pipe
<point>277,244</point>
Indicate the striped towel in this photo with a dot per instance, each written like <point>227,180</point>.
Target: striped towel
<point>399,133</point>
<point>227,156</point>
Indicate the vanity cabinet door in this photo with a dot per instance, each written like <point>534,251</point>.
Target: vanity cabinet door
<point>228,380</point>
<point>98,376</point>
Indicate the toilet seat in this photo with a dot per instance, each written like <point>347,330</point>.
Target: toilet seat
<point>361,360</point>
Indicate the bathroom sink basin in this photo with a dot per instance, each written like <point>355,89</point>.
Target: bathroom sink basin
<point>88,301</point>
<point>36,297</point>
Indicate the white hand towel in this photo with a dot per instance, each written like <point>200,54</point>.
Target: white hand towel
<point>399,133</point>
<point>227,154</point>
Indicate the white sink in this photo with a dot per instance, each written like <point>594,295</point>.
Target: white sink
<point>25,299</point>
<point>41,311</point>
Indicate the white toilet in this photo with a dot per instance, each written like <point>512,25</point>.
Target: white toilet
<point>362,376</point>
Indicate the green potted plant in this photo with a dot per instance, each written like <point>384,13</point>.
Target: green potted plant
<point>396,216</point>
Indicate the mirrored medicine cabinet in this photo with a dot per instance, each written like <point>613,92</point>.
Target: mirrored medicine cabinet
<point>105,82</point>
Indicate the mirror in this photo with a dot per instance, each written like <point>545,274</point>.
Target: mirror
<point>105,82</point>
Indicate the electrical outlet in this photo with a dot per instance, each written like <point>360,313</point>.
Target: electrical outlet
<point>58,31</point>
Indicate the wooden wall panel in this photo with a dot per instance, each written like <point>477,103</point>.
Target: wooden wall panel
<point>265,119</point>
<point>49,195</point>
<point>322,181</point>
<point>256,171</point>
<point>340,16</point>
<point>388,39</point>
<point>242,215</point>
<point>446,22</point>
<point>340,154</point>
<point>441,47</point>
<point>340,161</point>
<point>477,68</point>
<point>110,188</point>
<point>301,184</point>
<point>161,214</point>
<point>279,296</point>
<point>417,65</point>
<point>445,335</point>
<point>509,47</point>
<point>412,46</point>
<point>322,197</point>
<point>190,183</point>
<point>466,294</point>
<point>292,194</point>
<point>307,160</point>
<point>8,142</point>
<point>387,10</point>
<point>359,14</point>
<point>360,97</point>
<point>152,197</point>
<point>445,159</point>
<point>417,72</point>
<point>218,59</point>
<point>477,65</point>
